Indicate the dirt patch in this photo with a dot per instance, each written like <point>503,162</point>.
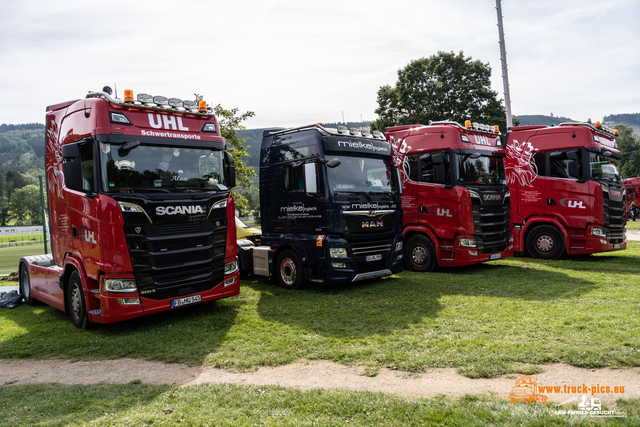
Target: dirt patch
<point>322,374</point>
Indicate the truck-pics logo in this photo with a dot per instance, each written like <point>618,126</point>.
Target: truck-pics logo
<point>440,211</point>
<point>182,210</point>
<point>166,122</point>
<point>572,203</point>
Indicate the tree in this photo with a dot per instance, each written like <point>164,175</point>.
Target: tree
<point>230,123</point>
<point>629,145</point>
<point>25,203</point>
<point>441,87</point>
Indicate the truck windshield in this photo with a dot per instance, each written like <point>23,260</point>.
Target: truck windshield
<point>150,168</point>
<point>361,174</point>
<point>474,169</point>
<point>603,168</point>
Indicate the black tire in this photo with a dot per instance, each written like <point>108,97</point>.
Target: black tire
<point>420,254</point>
<point>25,285</point>
<point>76,303</point>
<point>289,270</point>
<point>545,242</point>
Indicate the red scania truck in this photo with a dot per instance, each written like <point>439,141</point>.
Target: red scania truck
<point>566,192</point>
<point>632,188</point>
<point>140,211</point>
<point>455,198</point>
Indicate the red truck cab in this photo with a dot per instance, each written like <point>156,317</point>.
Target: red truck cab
<point>455,198</point>
<point>140,210</point>
<point>566,192</point>
<point>632,188</point>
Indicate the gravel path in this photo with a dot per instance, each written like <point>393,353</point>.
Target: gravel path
<point>318,374</point>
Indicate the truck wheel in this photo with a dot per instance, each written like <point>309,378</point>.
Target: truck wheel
<point>289,271</point>
<point>420,254</point>
<point>76,303</point>
<point>545,242</point>
<point>25,285</point>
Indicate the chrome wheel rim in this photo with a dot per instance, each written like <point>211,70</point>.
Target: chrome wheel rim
<point>545,243</point>
<point>288,271</point>
<point>419,255</point>
<point>76,303</point>
<point>26,289</point>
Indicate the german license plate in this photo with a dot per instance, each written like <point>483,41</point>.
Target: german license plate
<point>495,256</point>
<point>185,301</point>
<point>616,246</point>
<point>377,257</point>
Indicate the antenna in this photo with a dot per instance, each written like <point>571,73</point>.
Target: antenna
<point>503,60</point>
<point>115,89</point>
<point>343,122</point>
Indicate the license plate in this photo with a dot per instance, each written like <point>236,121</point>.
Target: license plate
<point>373,257</point>
<point>495,256</point>
<point>185,301</point>
<point>616,246</point>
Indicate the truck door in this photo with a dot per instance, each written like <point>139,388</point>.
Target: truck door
<point>437,204</point>
<point>568,197</point>
<point>83,210</point>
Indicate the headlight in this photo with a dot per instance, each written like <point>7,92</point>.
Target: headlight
<point>338,252</point>
<point>230,267</point>
<point>399,246</point>
<point>120,285</point>
<point>466,242</point>
<point>598,232</point>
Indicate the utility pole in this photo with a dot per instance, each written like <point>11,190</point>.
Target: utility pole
<point>503,60</point>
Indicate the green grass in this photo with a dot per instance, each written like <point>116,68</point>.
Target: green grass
<point>10,256</point>
<point>633,225</point>
<point>20,238</point>
<point>502,317</point>
<point>137,404</point>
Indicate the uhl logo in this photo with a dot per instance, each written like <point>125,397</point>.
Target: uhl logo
<point>89,236</point>
<point>572,203</point>
<point>439,211</point>
<point>168,121</point>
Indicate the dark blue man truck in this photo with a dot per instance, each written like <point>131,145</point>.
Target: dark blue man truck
<point>329,207</point>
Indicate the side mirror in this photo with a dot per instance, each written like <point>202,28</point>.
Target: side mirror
<point>72,174</point>
<point>574,169</point>
<point>333,163</point>
<point>229,170</point>
<point>310,178</point>
<point>439,174</point>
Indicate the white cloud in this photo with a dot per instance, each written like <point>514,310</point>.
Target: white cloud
<point>299,62</point>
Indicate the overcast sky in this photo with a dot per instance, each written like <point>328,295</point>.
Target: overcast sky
<point>296,62</point>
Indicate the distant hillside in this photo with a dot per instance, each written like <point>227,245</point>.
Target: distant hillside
<point>540,120</point>
<point>632,120</point>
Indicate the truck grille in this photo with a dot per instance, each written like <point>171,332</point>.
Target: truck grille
<point>614,213</point>
<point>361,250</point>
<point>491,222</point>
<point>170,260</point>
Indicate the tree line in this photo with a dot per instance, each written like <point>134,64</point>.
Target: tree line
<point>444,86</point>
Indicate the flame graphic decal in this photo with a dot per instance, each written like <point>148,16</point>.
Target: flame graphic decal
<point>519,164</point>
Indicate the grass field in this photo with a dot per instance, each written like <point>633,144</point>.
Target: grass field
<point>10,256</point>
<point>507,316</point>
<point>137,404</point>
<point>501,317</point>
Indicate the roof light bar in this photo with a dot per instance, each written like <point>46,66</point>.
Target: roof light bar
<point>160,100</point>
<point>145,98</point>
<point>175,102</point>
<point>190,105</point>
